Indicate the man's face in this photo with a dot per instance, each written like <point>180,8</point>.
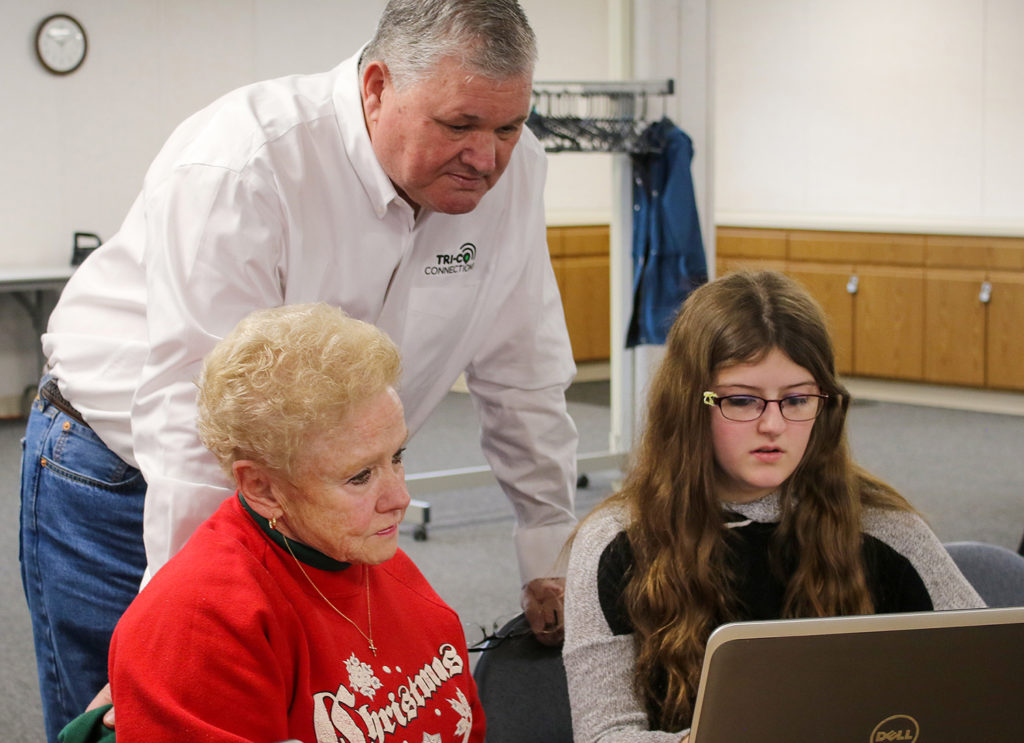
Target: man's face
<point>445,140</point>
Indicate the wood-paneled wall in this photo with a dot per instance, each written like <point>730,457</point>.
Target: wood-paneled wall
<point>935,308</point>
<point>580,258</point>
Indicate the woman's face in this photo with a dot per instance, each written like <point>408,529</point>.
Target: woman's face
<point>755,457</point>
<point>347,494</point>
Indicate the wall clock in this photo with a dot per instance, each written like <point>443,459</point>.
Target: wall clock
<point>61,44</point>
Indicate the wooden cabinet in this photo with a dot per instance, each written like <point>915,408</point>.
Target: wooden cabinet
<point>581,261</point>
<point>754,249</point>
<point>935,308</point>
<point>954,327</point>
<point>830,285</point>
<point>955,313</point>
<point>975,309</point>
<point>888,337</point>
<point>878,327</point>
<point>870,286</point>
<point>1004,347</point>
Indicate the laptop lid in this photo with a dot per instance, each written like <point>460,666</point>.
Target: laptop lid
<point>911,678</point>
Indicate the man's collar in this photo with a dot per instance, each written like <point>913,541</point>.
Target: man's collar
<point>348,106</point>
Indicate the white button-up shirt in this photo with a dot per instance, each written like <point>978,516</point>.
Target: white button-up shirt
<point>272,195</point>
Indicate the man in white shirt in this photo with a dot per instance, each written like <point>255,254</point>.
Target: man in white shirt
<point>401,186</point>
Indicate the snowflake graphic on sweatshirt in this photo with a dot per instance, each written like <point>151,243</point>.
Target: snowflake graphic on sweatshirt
<point>361,677</point>
<point>465,712</point>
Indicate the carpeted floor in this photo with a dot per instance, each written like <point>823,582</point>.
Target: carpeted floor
<point>963,470</point>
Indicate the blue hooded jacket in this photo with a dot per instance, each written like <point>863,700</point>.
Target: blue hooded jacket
<point>668,252</point>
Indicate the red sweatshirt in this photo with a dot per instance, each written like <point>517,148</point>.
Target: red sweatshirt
<point>229,642</point>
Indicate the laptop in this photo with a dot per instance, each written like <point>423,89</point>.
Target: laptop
<point>888,678</point>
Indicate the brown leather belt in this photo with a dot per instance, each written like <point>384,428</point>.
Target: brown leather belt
<point>51,393</point>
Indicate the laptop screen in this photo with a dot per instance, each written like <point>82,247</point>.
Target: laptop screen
<point>924,677</point>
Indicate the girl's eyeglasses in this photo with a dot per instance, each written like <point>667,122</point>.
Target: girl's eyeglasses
<point>744,408</point>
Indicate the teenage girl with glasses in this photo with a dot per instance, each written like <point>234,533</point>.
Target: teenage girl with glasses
<point>741,503</point>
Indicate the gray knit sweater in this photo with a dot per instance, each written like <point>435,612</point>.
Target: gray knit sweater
<point>911,571</point>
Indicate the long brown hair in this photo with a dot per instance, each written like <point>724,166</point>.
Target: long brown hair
<point>680,587</point>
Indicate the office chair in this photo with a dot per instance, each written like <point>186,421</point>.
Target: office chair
<point>522,688</point>
<point>996,573</point>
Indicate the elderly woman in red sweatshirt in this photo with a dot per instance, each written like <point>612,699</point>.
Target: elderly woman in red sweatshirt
<point>291,613</point>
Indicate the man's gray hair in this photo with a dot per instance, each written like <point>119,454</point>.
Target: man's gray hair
<point>491,38</point>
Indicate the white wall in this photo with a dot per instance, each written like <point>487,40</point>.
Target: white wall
<point>76,147</point>
<point>574,44</point>
<point>85,140</point>
<point>874,114</point>
<point>82,142</point>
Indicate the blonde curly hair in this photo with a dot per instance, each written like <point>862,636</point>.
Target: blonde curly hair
<point>285,374</point>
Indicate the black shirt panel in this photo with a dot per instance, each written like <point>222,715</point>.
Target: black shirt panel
<point>894,584</point>
<point>613,570</point>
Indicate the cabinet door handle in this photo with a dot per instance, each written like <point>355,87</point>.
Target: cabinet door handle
<point>985,295</point>
<point>851,285</point>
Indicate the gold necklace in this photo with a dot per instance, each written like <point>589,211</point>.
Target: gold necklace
<point>369,625</point>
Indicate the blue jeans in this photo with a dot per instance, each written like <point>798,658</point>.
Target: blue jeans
<point>82,556</point>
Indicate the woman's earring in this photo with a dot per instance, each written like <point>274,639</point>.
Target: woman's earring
<point>273,523</point>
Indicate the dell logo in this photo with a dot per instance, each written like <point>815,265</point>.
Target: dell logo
<point>898,728</point>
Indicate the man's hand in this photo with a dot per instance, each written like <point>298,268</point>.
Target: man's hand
<point>542,604</point>
<point>104,697</point>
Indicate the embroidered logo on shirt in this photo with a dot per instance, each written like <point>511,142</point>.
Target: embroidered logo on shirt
<point>458,261</point>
